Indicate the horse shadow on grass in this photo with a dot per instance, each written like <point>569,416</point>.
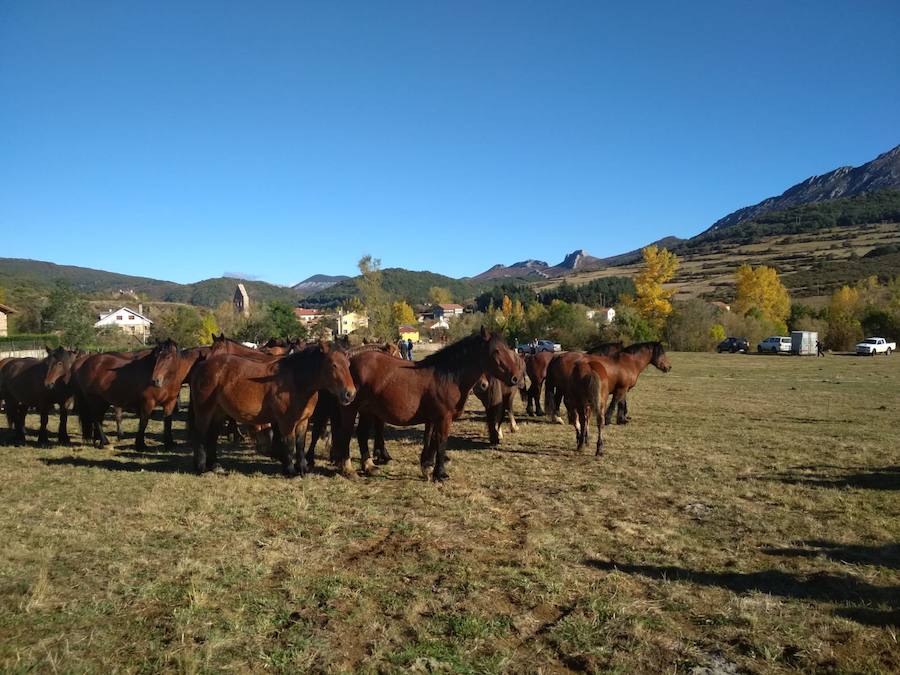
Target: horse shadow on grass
<point>866,478</point>
<point>884,555</point>
<point>857,600</point>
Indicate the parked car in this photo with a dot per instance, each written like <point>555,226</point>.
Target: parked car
<point>875,345</point>
<point>542,346</point>
<point>776,344</point>
<point>733,345</point>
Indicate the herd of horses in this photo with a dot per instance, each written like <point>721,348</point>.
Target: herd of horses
<point>285,391</point>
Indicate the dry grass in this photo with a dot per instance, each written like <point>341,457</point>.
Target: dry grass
<point>747,520</point>
<point>710,273</point>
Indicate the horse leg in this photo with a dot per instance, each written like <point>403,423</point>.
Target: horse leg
<point>381,454</point>
<point>610,408</point>
<point>426,459</point>
<point>168,412</point>
<point>340,450</point>
<point>513,427</point>
<point>363,427</point>
<point>622,411</point>
<point>537,399</point>
<point>300,447</point>
<point>118,412</point>
<point>599,433</point>
<point>439,442</point>
<point>19,434</point>
<point>493,420</point>
<point>143,419</point>
<point>318,426</point>
<point>63,436</point>
<point>557,401</point>
<point>43,439</point>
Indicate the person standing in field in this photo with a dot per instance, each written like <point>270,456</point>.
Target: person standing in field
<point>409,349</point>
<point>401,344</point>
<point>819,350</point>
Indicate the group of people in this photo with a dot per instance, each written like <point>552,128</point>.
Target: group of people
<point>406,349</point>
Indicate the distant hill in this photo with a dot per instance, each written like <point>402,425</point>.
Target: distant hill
<point>318,282</point>
<point>882,173</point>
<point>41,276</point>
<point>401,283</point>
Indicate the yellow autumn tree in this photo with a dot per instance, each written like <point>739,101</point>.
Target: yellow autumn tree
<point>210,328</point>
<point>402,314</point>
<point>651,298</point>
<point>759,290</point>
<point>844,328</point>
<point>438,295</point>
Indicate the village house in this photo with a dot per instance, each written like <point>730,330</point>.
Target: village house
<point>409,333</point>
<point>308,316</point>
<point>448,310</point>
<point>5,311</point>
<point>241,301</point>
<point>604,314</point>
<point>349,322</point>
<point>128,320</point>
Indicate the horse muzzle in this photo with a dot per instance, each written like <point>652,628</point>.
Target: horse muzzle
<point>347,396</point>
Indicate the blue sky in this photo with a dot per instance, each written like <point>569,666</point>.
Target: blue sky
<point>182,140</point>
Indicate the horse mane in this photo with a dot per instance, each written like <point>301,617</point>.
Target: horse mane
<point>655,348</point>
<point>453,356</point>
<point>359,349</point>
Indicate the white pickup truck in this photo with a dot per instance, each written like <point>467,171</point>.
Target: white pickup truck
<point>875,345</point>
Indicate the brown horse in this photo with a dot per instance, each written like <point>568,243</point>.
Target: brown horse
<point>41,384</point>
<point>624,369</point>
<point>536,368</point>
<point>497,398</point>
<point>282,392</point>
<point>585,393</point>
<point>328,409</point>
<point>139,385</point>
<point>559,371</point>
<point>432,391</point>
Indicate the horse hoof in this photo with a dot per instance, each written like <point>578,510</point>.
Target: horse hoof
<point>426,471</point>
<point>440,476</point>
<point>558,420</point>
<point>217,468</point>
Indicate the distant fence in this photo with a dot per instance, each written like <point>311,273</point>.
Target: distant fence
<point>16,349</point>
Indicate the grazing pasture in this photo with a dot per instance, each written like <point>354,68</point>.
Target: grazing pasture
<point>748,518</point>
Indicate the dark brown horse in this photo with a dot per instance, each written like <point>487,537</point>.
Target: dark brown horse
<point>41,384</point>
<point>585,393</point>
<point>606,348</point>
<point>432,391</point>
<point>558,373</point>
<point>282,392</point>
<point>497,398</point>
<point>138,385</point>
<point>536,368</point>
<point>328,410</point>
<point>623,370</point>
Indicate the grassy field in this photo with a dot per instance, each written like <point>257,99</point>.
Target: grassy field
<point>747,519</point>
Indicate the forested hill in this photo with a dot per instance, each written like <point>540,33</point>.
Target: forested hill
<point>401,283</point>
<point>41,276</point>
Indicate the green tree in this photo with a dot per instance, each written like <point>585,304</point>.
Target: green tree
<point>438,295</point>
<point>693,327</point>
<point>68,314</point>
<point>283,320</point>
<point>375,298</point>
<point>182,324</point>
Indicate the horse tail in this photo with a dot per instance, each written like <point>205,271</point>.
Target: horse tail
<point>549,395</point>
<point>594,394</point>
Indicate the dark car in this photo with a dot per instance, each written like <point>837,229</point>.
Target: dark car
<point>733,345</point>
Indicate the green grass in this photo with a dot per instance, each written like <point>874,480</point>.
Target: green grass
<point>747,518</point>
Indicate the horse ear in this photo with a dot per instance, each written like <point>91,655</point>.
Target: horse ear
<point>49,351</point>
<point>485,333</point>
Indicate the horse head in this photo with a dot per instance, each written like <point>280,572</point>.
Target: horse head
<point>501,361</point>
<point>59,366</point>
<point>335,373</point>
<point>167,355</point>
<point>659,358</point>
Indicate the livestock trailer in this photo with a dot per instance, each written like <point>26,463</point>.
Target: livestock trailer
<point>803,342</point>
